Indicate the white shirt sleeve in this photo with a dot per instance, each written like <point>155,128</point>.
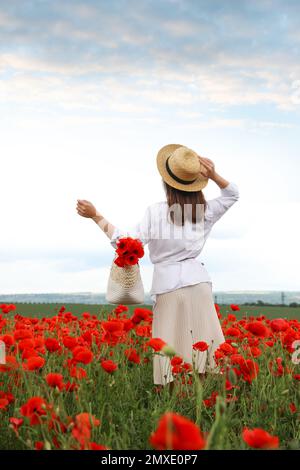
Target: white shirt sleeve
<point>218,206</point>
<point>141,230</point>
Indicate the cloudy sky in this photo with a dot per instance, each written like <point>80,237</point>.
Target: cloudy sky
<point>89,92</point>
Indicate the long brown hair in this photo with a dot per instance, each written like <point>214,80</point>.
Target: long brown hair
<point>176,196</point>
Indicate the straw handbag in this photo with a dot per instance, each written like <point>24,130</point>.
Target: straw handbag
<point>125,285</point>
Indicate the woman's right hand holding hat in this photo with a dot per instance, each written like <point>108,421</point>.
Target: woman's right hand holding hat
<point>207,167</point>
<point>208,171</point>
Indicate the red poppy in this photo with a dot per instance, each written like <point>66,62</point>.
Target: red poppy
<point>52,344</point>
<point>34,363</point>
<point>176,432</point>
<point>3,403</point>
<point>234,307</point>
<point>140,314</point>
<point>6,397</point>
<point>8,340</point>
<point>22,333</point>
<point>95,446</point>
<point>279,324</point>
<point>260,439</point>
<point>132,355</point>
<point>257,328</point>
<point>82,354</point>
<point>33,409</point>
<point>123,245</point>
<point>78,373</point>
<point>231,317</point>
<point>108,365</point>
<point>55,380</point>
<point>129,251</point>
<point>156,343</point>
<point>292,407</point>
<point>15,423</point>
<point>176,360</point>
<point>83,426</point>
<point>233,332</point>
<point>70,342</point>
<point>120,261</point>
<point>116,327</point>
<point>131,259</point>
<point>201,346</point>
<point>211,401</point>
<point>39,445</point>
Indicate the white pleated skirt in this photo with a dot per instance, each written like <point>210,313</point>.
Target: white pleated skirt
<point>182,318</point>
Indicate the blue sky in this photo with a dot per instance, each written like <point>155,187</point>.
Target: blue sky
<point>89,92</point>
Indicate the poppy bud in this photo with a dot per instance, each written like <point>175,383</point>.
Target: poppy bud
<point>221,404</point>
<point>232,377</point>
<point>294,445</point>
<point>168,350</point>
<point>47,445</point>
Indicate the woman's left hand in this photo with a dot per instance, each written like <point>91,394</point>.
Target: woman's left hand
<point>85,208</point>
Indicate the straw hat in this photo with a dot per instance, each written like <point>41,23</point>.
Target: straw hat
<point>180,167</point>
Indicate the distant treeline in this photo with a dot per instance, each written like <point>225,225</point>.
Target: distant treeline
<point>260,303</point>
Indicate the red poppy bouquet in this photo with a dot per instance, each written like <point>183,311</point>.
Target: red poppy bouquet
<point>128,251</point>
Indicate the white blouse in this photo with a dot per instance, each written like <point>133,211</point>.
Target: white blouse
<point>172,248</point>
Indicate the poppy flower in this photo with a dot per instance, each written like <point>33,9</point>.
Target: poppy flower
<point>140,314</point>
<point>279,324</point>
<point>177,433</point>
<point>82,354</point>
<point>234,307</point>
<point>231,317</point>
<point>200,346</point>
<point>123,245</point>
<point>260,439</point>
<point>55,380</point>
<point>121,308</point>
<point>128,251</point>
<point>108,365</point>
<point>22,333</point>
<point>233,332</point>
<point>84,422</point>
<point>115,327</point>
<point>156,343</point>
<point>15,423</point>
<point>211,401</point>
<point>34,363</point>
<point>33,409</point>
<point>120,261</point>
<point>131,259</point>
<point>7,395</point>
<point>78,373</point>
<point>8,340</point>
<point>132,355</point>
<point>292,407</point>
<point>3,403</point>
<point>257,328</point>
<point>176,360</point>
<point>95,446</point>
<point>52,345</point>
<point>39,445</point>
<point>70,342</point>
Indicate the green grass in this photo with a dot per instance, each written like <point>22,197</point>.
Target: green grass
<point>50,309</point>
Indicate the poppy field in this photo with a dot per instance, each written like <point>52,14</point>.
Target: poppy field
<point>84,382</point>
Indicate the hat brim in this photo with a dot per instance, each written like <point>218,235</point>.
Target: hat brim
<point>161,159</point>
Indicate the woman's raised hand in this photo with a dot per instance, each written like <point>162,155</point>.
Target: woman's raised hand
<point>207,167</point>
<point>85,208</point>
